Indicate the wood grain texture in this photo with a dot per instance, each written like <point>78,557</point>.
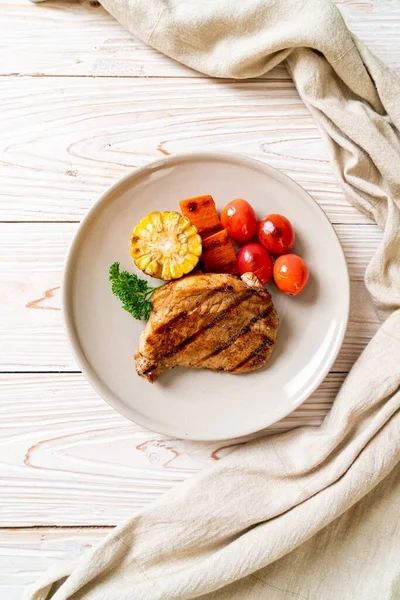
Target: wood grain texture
<point>31,263</point>
<point>80,39</point>
<point>82,103</point>
<point>67,458</point>
<point>77,38</point>
<point>26,553</point>
<point>64,141</point>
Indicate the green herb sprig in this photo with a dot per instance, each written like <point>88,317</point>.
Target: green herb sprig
<point>134,293</point>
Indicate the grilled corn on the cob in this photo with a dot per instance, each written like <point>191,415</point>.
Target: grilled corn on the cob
<point>165,245</point>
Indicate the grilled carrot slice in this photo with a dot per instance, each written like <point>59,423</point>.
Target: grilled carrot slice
<point>219,254</point>
<point>202,214</point>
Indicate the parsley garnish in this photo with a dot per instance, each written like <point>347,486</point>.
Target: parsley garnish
<point>133,292</point>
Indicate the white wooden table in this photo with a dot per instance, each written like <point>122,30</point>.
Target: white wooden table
<point>82,103</point>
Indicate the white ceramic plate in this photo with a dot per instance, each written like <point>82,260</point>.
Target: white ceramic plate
<point>200,404</point>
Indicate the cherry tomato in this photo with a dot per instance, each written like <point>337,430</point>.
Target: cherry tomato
<point>239,219</point>
<point>253,258</point>
<point>276,233</point>
<point>290,274</point>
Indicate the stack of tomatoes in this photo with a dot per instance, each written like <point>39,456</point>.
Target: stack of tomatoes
<point>275,236</point>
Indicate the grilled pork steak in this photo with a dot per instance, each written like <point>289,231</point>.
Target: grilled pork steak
<point>208,321</point>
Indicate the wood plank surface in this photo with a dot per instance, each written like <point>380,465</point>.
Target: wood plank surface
<point>26,553</point>
<point>82,103</point>
<point>31,263</point>
<point>81,39</point>
<point>63,141</point>
<point>67,458</point>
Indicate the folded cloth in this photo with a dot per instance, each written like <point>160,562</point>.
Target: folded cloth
<point>239,530</point>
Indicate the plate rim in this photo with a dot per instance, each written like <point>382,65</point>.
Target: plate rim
<point>73,252</point>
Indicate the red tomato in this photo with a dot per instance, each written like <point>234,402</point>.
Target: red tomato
<point>253,258</point>
<point>239,219</point>
<point>276,233</point>
<point>290,274</point>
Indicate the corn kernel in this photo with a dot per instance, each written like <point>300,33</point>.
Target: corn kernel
<point>165,245</point>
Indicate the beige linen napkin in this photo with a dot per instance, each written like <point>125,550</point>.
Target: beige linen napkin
<point>239,530</point>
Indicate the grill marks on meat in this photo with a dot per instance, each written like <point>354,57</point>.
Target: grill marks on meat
<point>210,321</point>
<point>225,313</point>
<point>241,334</point>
